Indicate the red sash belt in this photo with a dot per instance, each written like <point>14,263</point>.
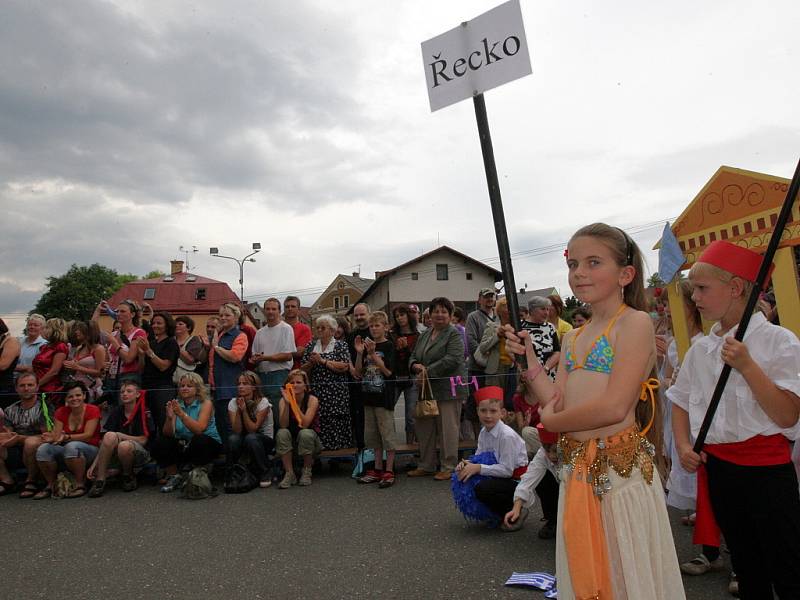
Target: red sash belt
<point>758,451</point>
<point>519,472</point>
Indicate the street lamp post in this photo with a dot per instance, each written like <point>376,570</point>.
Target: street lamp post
<point>240,262</point>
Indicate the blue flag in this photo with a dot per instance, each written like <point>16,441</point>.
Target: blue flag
<point>670,257</point>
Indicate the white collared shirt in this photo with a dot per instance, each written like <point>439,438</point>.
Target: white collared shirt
<point>508,448</point>
<point>739,417</point>
<point>537,469</point>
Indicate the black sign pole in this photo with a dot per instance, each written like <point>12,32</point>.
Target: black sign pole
<point>497,210</point>
<point>758,286</point>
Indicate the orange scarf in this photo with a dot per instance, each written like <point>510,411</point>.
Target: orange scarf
<point>289,395</point>
<point>584,537</point>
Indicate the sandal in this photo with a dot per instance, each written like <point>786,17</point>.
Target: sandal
<point>78,492</point>
<point>7,488</point>
<point>29,490</point>
<point>43,494</point>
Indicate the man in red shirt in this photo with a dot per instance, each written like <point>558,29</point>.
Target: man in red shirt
<point>302,332</point>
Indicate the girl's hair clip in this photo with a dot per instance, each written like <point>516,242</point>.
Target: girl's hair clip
<point>566,253</point>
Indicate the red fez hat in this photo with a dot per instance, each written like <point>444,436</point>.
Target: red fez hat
<point>734,259</point>
<point>491,392</point>
<point>546,437</point>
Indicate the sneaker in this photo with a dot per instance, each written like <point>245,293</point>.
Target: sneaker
<point>129,483</point>
<point>419,473</point>
<point>371,476</point>
<point>305,476</point>
<point>174,482</point>
<point>516,525</point>
<point>547,531</point>
<point>733,585</point>
<point>98,487</point>
<point>266,481</point>
<point>387,479</point>
<point>288,481</point>
<point>701,565</point>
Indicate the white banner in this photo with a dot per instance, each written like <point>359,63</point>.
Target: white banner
<point>476,56</point>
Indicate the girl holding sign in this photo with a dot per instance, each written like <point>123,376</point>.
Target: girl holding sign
<point>613,535</point>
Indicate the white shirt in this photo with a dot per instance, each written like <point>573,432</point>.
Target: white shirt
<point>268,426</point>
<point>508,448</point>
<point>739,416</point>
<point>276,339</point>
<point>537,469</point>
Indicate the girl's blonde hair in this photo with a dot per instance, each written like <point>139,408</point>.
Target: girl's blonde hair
<point>58,330</point>
<point>299,373</point>
<point>197,382</point>
<point>627,253</point>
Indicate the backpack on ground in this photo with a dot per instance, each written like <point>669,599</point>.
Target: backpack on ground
<point>198,485</point>
<point>239,480</point>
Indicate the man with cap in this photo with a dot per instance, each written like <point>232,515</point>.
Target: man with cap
<point>497,490</point>
<point>746,483</point>
<point>542,477</point>
<point>476,324</point>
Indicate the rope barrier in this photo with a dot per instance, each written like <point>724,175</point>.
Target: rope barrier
<point>348,381</point>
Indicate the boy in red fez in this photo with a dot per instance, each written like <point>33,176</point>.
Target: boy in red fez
<point>541,476</point>
<point>746,482</point>
<point>497,490</point>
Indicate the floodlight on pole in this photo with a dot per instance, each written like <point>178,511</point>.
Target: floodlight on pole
<point>214,251</point>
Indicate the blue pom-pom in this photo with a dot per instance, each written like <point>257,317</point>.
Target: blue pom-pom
<point>464,493</point>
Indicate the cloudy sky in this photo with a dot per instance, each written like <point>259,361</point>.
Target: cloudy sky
<point>128,129</point>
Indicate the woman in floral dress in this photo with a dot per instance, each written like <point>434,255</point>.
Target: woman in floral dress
<point>327,362</point>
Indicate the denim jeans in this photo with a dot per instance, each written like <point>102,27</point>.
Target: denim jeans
<point>271,384</point>
<point>407,387</point>
<point>257,445</point>
<point>59,453</point>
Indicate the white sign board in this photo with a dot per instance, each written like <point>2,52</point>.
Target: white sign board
<point>476,56</point>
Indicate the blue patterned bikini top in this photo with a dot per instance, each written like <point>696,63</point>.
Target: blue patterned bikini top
<point>600,357</point>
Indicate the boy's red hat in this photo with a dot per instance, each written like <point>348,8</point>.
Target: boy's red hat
<point>546,437</point>
<point>734,259</point>
<point>491,392</point>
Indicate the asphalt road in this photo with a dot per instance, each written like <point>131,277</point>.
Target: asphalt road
<point>334,539</point>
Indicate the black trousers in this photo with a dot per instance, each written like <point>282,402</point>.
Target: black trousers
<point>357,414</point>
<point>497,494</point>
<point>201,450</point>
<point>547,490</point>
<point>758,511</point>
<point>257,445</point>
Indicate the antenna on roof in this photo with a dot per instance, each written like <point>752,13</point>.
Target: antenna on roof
<point>186,252</point>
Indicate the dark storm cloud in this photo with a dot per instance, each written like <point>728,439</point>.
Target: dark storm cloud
<point>92,95</point>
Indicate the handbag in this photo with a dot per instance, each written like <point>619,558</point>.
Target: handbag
<point>426,404</point>
<point>239,480</point>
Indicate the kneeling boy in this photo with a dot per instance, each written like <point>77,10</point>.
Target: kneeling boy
<point>496,492</point>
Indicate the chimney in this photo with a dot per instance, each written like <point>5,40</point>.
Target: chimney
<point>355,274</point>
<point>176,266</point>
<point>521,290</point>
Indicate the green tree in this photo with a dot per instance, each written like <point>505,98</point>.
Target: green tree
<point>122,279</point>
<point>572,303</point>
<point>74,294</point>
<point>155,275</point>
<point>655,281</point>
